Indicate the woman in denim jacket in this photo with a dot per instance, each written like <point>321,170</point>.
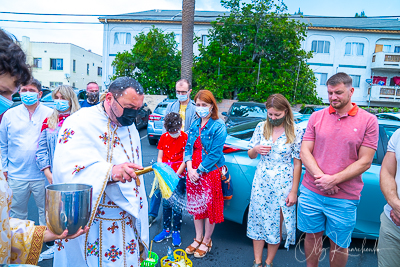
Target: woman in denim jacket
<point>66,103</point>
<point>203,153</point>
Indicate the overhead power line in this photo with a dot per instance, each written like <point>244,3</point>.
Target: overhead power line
<point>57,22</point>
<point>169,15</point>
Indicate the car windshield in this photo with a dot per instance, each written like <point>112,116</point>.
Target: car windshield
<point>47,98</point>
<point>243,131</point>
<point>160,109</point>
<point>248,111</point>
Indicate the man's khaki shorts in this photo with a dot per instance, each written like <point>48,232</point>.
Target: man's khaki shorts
<point>389,243</point>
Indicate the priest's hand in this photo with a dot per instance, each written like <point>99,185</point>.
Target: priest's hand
<point>125,172</point>
<point>50,236</point>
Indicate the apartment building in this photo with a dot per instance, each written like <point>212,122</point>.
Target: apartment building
<point>54,64</point>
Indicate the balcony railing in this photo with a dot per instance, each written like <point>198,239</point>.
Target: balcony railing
<point>383,60</point>
<point>384,93</point>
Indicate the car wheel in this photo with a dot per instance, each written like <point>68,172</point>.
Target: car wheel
<point>152,142</point>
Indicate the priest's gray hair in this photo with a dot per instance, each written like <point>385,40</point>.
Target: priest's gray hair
<point>118,86</point>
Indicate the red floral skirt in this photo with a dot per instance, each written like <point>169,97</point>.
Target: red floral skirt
<point>204,198</point>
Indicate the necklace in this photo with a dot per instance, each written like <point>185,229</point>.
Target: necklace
<point>137,180</point>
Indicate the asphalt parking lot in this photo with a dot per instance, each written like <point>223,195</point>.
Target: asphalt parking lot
<point>231,247</point>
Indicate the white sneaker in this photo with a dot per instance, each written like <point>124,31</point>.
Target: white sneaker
<point>47,254</point>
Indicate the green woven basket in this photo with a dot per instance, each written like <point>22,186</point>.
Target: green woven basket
<point>150,261</point>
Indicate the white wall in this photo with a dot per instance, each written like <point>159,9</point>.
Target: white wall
<point>337,61</point>
<point>67,52</point>
<point>110,49</point>
<point>83,57</point>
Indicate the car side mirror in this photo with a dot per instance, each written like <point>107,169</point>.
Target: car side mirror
<point>224,114</point>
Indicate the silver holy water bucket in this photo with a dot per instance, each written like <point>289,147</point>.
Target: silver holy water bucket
<point>68,206</point>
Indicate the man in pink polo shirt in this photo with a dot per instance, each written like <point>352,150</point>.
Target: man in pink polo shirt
<point>338,146</point>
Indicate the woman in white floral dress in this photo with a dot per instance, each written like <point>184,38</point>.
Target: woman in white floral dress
<point>274,190</point>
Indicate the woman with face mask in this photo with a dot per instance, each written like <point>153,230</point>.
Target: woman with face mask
<point>205,160</point>
<point>274,191</point>
<point>66,103</point>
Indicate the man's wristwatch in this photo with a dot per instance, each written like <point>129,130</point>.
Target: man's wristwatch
<point>198,171</point>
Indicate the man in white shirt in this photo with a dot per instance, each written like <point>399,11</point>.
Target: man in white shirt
<point>19,136</point>
<point>389,234</point>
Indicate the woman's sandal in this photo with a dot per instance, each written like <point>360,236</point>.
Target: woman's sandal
<point>256,264</point>
<point>191,250</point>
<point>201,253</point>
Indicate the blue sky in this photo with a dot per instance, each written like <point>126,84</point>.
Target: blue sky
<point>91,36</point>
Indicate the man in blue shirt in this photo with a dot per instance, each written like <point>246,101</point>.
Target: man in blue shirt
<point>92,95</point>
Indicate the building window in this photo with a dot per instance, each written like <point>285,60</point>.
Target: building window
<point>73,85</point>
<point>321,77</point>
<point>204,40</point>
<point>37,63</point>
<point>356,80</point>
<point>87,69</point>
<point>122,38</point>
<point>99,71</point>
<point>386,48</point>
<point>397,49</point>
<point>74,65</point>
<point>178,38</point>
<point>320,47</point>
<point>354,49</point>
<point>56,63</point>
<point>55,84</point>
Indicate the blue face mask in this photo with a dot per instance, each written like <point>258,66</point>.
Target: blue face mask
<point>61,105</point>
<point>202,111</point>
<point>4,104</point>
<point>182,98</point>
<point>29,98</point>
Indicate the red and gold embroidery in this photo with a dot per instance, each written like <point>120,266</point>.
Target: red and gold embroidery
<point>68,133</point>
<point>131,247</point>
<point>78,169</point>
<point>136,191</point>
<point>113,227</point>
<point>36,246</point>
<point>117,141</point>
<point>104,138</point>
<point>113,253</point>
<point>123,214</point>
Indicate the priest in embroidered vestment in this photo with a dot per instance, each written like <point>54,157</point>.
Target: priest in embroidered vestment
<point>100,146</point>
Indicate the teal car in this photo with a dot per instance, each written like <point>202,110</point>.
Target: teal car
<point>242,170</point>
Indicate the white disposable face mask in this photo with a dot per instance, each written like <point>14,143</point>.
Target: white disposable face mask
<point>176,135</point>
<point>182,98</point>
<point>203,111</point>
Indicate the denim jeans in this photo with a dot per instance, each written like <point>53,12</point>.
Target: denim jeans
<point>173,213</point>
<point>155,202</point>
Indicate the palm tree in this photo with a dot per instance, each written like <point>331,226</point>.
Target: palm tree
<point>187,39</point>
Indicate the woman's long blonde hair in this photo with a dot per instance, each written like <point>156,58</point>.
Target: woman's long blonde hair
<point>279,102</point>
<point>68,94</point>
